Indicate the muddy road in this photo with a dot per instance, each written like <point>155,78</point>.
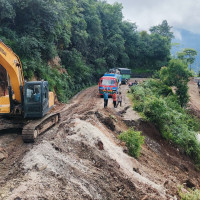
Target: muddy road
<point>82,158</point>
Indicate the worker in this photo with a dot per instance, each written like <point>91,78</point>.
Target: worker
<point>105,95</point>
<point>135,83</point>
<point>119,99</point>
<point>114,96</point>
<point>36,95</point>
<point>198,83</point>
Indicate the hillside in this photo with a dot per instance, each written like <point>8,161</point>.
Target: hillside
<point>71,44</point>
<point>82,158</point>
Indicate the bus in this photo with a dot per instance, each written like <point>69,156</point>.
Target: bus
<point>125,73</point>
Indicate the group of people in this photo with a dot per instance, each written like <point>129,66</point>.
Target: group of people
<point>132,83</point>
<point>117,99</point>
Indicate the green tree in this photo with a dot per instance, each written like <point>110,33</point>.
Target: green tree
<point>188,56</point>
<point>87,37</point>
<point>177,74</point>
<point>7,12</point>
<point>163,29</point>
<point>131,37</point>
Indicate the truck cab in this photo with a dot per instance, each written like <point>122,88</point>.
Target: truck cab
<point>107,83</point>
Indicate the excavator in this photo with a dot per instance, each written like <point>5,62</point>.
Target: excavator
<point>31,101</point>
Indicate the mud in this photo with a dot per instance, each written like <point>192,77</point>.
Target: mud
<point>82,157</point>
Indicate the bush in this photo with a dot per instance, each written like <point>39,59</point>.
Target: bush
<point>133,140</point>
<point>164,110</point>
<point>190,194</point>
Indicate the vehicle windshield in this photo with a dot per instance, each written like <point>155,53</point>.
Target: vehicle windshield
<point>125,71</point>
<point>33,93</point>
<point>107,82</point>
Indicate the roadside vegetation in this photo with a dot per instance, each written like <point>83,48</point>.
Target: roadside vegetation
<point>190,194</point>
<point>166,108</point>
<point>87,37</point>
<point>133,140</point>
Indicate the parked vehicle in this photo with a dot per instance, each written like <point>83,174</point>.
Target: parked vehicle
<point>125,74</point>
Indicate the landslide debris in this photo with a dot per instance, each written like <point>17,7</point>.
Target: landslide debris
<point>82,158</point>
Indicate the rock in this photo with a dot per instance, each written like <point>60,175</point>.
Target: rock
<point>123,144</point>
<point>125,149</point>
<point>167,184</point>
<point>3,154</point>
<point>189,184</point>
<point>136,170</point>
<point>17,198</point>
<point>40,167</point>
<point>145,197</point>
<point>100,145</point>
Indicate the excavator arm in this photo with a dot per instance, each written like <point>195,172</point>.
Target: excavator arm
<point>12,64</point>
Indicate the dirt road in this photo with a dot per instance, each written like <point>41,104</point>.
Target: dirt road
<point>82,158</point>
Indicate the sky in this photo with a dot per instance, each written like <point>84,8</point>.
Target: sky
<point>180,14</point>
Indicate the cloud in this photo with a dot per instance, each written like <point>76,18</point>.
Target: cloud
<point>177,34</point>
<point>181,14</point>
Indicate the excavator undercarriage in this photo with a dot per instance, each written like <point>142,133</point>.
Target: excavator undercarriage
<point>30,129</point>
<point>34,128</point>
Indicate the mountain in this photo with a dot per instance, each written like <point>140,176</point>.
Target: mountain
<point>187,40</point>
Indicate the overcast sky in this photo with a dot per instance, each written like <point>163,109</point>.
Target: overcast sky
<point>181,14</point>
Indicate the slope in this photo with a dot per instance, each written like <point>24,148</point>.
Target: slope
<point>82,158</point>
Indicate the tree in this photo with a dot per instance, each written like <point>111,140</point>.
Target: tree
<point>7,13</point>
<point>188,56</point>
<point>87,37</point>
<point>163,29</point>
<point>177,74</point>
<point>131,37</point>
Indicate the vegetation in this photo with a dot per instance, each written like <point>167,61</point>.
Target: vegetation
<point>87,36</point>
<point>188,56</point>
<point>190,194</point>
<point>133,140</point>
<point>177,74</point>
<point>157,102</point>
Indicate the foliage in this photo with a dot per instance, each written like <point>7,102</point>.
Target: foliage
<point>188,56</point>
<point>88,36</point>
<point>177,74</point>
<point>163,29</point>
<point>133,140</point>
<point>190,194</point>
<point>159,105</point>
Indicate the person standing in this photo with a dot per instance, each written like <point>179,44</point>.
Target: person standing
<point>114,96</point>
<point>105,95</point>
<point>119,99</point>
<point>198,83</point>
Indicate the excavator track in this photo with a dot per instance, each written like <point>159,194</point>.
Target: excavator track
<point>36,127</point>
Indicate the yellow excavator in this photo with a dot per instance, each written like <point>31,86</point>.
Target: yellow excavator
<point>31,100</point>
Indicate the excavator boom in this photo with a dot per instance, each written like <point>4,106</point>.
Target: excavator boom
<point>10,61</point>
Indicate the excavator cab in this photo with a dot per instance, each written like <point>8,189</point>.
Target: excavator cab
<point>36,99</point>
